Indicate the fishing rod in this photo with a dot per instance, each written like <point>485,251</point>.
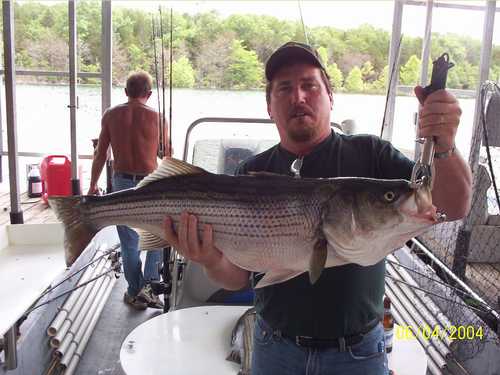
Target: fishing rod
<point>170,83</point>
<point>167,251</point>
<point>113,268</point>
<point>161,149</point>
<point>435,294</point>
<point>303,24</point>
<point>153,37</point>
<point>296,165</point>
<point>391,76</point>
<point>107,252</point>
<point>459,291</point>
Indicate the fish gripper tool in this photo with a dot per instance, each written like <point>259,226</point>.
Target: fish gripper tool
<point>423,171</point>
<point>297,166</point>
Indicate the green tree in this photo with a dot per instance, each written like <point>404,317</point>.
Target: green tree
<point>354,80</point>
<point>183,73</point>
<point>471,76</point>
<point>495,73</point>
<point>206,40</point>
<point>137,58</point>
<point>455,78</point>
<point>380,84</point>
<point>244,70</point>
<point>323,55</point>
<point>336,76</point>
<point>368,74</point>
<point>410,72</point>
<point>212,62</point>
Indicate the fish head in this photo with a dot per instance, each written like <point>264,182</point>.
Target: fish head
<point>365,219</point>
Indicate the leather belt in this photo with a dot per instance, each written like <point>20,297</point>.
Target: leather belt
<point>128,176</point>
<point>339,342</point>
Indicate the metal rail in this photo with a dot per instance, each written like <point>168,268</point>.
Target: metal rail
<point>40,154</point>
<point>48,73</point>
<point>219,120</point>
<point>239,120</point>
<point>449,5</point>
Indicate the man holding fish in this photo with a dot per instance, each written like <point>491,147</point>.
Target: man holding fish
<point>329,322</point>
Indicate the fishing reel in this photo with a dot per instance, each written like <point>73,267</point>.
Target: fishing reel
<point>161,287</point>
<point>116,264</point>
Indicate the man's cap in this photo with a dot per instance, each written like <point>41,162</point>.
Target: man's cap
<point>289,53</point>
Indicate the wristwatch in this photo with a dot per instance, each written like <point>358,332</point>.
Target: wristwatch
<point>445,154</point>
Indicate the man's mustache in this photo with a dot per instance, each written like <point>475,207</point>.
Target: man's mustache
<point>300,110</point>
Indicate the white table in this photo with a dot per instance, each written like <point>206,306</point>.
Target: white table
<point>183,342</point>
<point>196,341</point>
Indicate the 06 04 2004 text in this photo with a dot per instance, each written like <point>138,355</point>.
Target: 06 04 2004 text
<point>459,332</point>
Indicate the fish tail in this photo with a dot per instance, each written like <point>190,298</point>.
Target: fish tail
<point>77,235</point>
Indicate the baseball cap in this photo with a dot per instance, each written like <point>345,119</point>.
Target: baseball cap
<point>291,52</point>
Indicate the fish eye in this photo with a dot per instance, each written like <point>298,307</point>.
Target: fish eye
<point>389,196</point>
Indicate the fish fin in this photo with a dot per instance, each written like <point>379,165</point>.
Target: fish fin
<point>77,234</point>
<point>170,167</point>
<point>277,276</point>
<point>318,260</point>
<point>334,259</point>
<point>150,241</point>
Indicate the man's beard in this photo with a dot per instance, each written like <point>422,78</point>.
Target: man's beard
<point>302,132</point>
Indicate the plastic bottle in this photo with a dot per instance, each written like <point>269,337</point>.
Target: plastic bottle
<point>34,183</point>
<point>388,323</point>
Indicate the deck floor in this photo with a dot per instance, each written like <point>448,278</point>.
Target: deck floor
<point>34,210</point>
<point>117,320</point>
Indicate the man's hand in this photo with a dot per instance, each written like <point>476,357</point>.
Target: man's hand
<point>217,266</point>
<point>439,116</point>
<point>188,243</point>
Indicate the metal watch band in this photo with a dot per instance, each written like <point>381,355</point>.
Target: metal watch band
<point>444,154</point>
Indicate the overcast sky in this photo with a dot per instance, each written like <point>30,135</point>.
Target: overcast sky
<point>340,14</point>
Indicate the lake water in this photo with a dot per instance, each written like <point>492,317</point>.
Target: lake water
<point>43,117</point>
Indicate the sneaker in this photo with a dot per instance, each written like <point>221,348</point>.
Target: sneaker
<point>136,302</point>
<point>152,299</point>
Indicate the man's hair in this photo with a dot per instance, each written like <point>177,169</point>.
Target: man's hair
<point>324,78</point>
<point>139,84</point>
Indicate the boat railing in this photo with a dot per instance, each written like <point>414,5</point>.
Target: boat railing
<point>226,120</point>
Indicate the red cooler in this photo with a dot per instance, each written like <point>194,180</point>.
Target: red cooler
<point>55,171</point>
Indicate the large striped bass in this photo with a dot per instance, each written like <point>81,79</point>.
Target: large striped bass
<point>278,225</point>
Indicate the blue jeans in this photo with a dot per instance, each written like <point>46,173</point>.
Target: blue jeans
<point>274,354</point>
<point>129,241</point>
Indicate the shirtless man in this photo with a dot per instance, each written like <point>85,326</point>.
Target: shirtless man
<point>132,130</point>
